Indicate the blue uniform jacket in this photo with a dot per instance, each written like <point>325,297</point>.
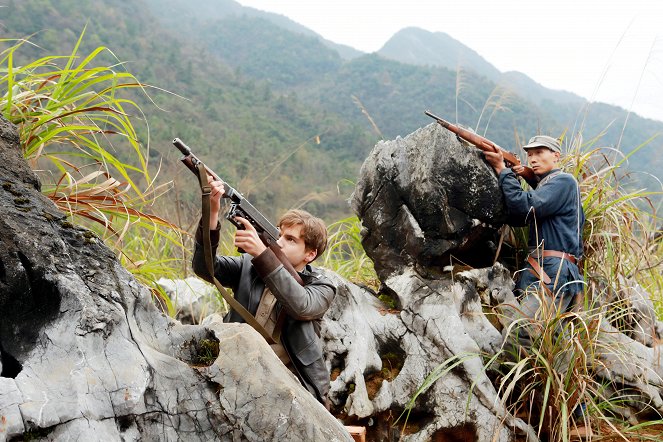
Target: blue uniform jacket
<point>553,211</point>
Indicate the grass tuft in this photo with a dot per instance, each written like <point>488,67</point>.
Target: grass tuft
<point>346,256</point>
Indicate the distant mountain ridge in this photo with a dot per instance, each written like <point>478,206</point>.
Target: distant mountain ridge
<point>419,47</point>
<point>410,45</point>
<point>173,12</point>
<point>259,85</point>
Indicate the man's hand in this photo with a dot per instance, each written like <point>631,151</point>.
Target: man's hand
<point>518,170</point>
<point>248,239</point>
<point>216,194</point>
<point>495,159</point>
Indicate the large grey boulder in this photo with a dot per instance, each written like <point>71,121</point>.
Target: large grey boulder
<point>87,356</point>
<point>425,199</point>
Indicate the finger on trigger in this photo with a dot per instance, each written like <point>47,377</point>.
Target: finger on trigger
<point>244,221</point>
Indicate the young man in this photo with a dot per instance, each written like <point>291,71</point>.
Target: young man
<point>269,292</point>
<point>554,213</point>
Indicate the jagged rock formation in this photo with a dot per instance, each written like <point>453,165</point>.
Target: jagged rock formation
<point>87,356</point>
<point>425,198</point>
<point>439,319</point>
<point>421,200</point>
<point>442,319</point>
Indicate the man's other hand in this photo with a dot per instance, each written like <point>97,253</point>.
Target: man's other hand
<point>248,239</point>
<point>496,160</point>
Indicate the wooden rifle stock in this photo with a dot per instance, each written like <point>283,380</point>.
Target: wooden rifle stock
<point>485,145</point>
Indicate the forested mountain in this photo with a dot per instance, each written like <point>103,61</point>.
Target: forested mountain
<point>259,89</point>
<point>242,129</point>
<point>186,16</point>
<point>420,47</point>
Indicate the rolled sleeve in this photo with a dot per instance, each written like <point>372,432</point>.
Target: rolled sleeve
<point>266,263</point>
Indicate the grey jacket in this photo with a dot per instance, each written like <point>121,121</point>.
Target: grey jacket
<point>304,306</point>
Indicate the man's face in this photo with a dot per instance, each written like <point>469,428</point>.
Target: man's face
<point>293,247</point>
<point>542,160</point>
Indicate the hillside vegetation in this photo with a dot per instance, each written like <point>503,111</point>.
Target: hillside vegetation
<point>288,119</point>
<point>282,114</point>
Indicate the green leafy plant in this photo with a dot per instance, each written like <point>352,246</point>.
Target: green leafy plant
<point>74,118</point>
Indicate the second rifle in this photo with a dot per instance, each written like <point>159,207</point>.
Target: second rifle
<point>485,145</point>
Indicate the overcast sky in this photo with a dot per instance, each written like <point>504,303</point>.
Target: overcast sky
<point>603,50</point>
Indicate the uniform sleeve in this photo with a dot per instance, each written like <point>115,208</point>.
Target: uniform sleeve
<point>542,202</point>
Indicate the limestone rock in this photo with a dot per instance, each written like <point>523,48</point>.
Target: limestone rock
<point>425,198</point>
<point>441,319</point>
<point>86,355</point>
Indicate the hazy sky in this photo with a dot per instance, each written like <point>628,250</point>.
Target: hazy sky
<point>603,50</point>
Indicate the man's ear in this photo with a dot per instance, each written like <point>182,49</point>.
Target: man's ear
<point>310,255</point>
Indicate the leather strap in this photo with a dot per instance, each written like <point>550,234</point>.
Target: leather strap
<point>209,260</point>
<point>538,271</point>
<point>280,319</point>
<point>562,255</point>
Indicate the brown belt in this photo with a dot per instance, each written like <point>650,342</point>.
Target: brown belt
<point>558,254</point>
<point>539,272</point>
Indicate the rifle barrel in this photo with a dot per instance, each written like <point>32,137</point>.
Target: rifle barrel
<point>484,144</point>
<point>186,150</point>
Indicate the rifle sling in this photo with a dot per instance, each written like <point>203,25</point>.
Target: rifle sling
<point>209,261</point>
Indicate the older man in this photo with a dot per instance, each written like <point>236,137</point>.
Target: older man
<point>554,213</point>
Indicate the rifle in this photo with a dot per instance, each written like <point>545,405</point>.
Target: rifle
<point>485,145</point>
<point>240,206</point>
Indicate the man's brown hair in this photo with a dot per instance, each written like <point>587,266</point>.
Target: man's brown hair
<point>314,231</point>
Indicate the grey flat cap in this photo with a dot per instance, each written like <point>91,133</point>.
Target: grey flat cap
<point>543,141</point>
